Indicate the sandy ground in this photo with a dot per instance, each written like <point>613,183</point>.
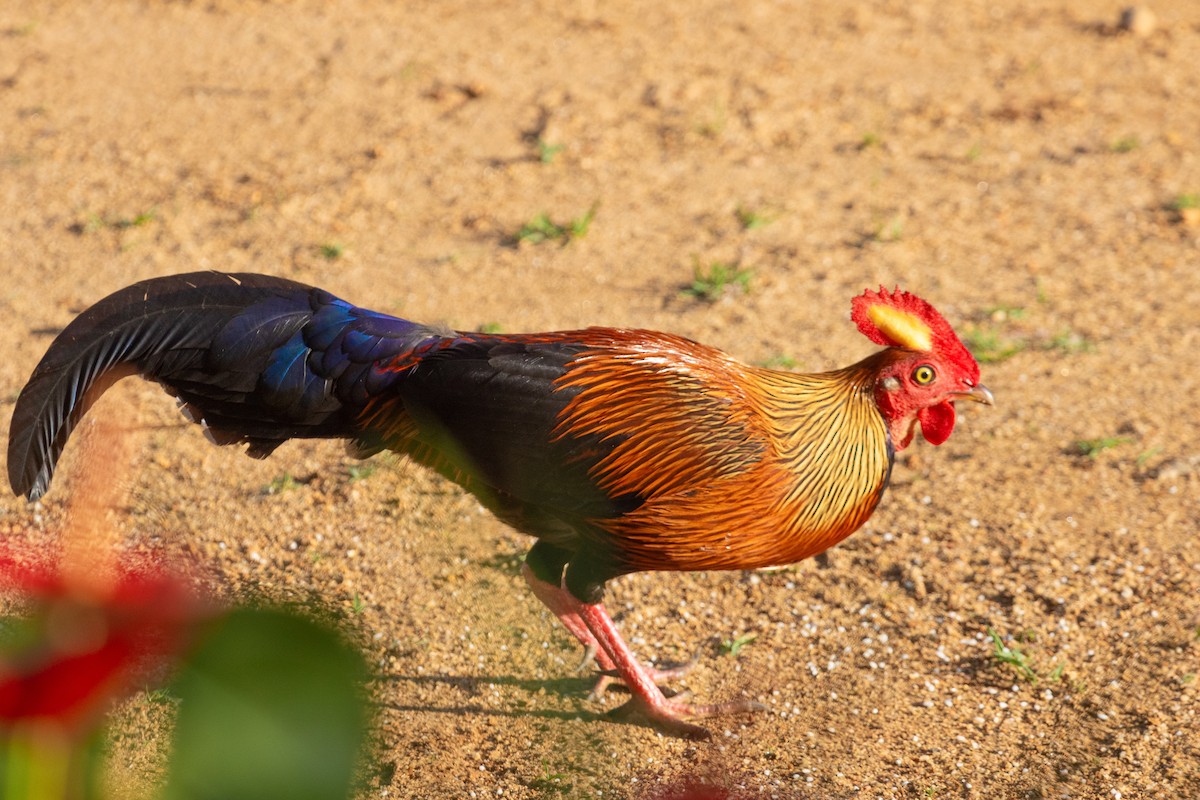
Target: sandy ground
<point>1016,163</point>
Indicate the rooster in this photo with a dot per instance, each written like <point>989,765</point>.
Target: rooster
<point>618,450</point>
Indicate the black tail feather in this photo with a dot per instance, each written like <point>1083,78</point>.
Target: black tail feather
<point>163,329</point>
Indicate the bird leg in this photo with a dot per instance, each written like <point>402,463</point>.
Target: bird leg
<point>553,597</point>
<point>670,714</point>
<point>563,605</point>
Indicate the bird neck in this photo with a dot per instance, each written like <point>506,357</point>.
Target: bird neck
<point>833,442</point>
<point>840,402</point>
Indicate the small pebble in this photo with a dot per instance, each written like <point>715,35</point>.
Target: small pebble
<point>1138,20</point>
<point>918,583</point>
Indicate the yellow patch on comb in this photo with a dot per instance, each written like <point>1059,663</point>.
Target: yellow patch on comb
<point>906,330</point>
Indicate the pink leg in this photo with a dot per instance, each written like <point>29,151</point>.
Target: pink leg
<point>669,714</point>
<point>553,598</point>
<point>563,605</point>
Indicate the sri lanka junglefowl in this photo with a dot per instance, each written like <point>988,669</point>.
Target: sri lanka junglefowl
<point>618,450</point>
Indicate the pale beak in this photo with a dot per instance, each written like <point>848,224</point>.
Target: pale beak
<point>980,394</point>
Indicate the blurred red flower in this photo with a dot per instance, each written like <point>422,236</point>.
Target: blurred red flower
<point>75,646</point>
<point>690,789</point>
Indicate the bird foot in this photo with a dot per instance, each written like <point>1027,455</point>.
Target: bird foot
<point>657,674</point>
<point>672,715</point>
<point>589,656</point>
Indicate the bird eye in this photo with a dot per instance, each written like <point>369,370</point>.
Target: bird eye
<point>924,375</point>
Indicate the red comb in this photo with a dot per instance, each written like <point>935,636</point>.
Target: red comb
<point>942,339</point>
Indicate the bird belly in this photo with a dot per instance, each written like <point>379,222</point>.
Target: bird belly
<point>749,534</point>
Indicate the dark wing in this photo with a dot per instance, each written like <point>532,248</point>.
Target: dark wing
<point>484,410</point>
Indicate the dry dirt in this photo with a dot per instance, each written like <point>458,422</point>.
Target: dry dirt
<point>1013,162</point>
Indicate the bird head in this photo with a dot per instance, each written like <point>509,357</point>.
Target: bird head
<point>926,369</point>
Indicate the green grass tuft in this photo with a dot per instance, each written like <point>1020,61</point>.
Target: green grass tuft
<point>1002,313</point>
<point>1146,455</point>
<point>543,229</point>
<point>732,647</point>
<point>1125,144</point>
<point>1185,201</point>
<point>96,222</point>
<point>870,139</point>
<point>282,483</point>
<point>780,362</point>
<point>989,347</point>
<point>1003,654</point>
<point>713,282</point>
<point>891,230</point>
<point>546,151</point>
<point>751,219</point>
<point>1069,342</point>
<point>551,783</point>
<point>1094,447</point>
<point>360,472</point>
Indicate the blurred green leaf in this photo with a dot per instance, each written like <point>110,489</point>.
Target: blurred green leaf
<point>270,709</point>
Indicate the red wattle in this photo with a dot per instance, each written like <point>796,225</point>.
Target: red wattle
<point>937,422</point>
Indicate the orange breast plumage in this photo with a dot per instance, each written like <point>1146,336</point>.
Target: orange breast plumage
<point>735,467</point>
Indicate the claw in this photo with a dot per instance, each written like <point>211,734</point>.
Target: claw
<point>589,655</point>
<point>676,670</point>
<point>601,686</point>
<point>657,674</point>
<point>672,715</point>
